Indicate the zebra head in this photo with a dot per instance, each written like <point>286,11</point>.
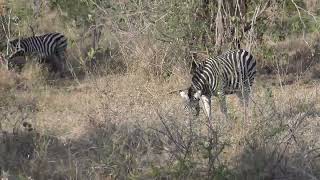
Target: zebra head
<point>192,97</point>
<point>15,43</point>
<point>193,94</point>
<point>18,43</point>
<point>17,48</point>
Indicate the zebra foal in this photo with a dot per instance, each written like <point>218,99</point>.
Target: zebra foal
<point>51,47</point>
<point>232,72</point>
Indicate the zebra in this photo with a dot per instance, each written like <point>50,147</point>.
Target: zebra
<point>50,47</point>
<point>232,72</point>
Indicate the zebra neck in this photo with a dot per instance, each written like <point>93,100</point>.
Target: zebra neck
<point>205,89</point>
<point>196,86</point>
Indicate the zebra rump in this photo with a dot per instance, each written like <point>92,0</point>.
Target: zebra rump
<point>232,72</point>
<point>50,47</point>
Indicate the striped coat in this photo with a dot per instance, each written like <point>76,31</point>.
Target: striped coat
<point>232,72</point>
<point>51,46</point>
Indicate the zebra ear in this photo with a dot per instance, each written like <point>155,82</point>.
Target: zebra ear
<point>14,43</point>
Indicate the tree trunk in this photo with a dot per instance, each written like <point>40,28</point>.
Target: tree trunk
<point>219,29</point>
<point>2,8</point>
<point>36,7</point>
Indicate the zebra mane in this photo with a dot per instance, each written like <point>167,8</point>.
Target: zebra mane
<point>196,66</point>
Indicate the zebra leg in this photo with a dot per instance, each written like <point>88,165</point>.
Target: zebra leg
<point>243,96</point>
<point>17,60</point>
<point>207,105</point>
<point>223,105</point>
<point>197,108</point>
<point>51,61</point>
<point>17,63</point>
<point>57,64</point>
<point>62,64</point>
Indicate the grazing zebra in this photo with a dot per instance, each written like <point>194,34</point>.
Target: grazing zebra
<point>51,47</point>
<point>231,72</point>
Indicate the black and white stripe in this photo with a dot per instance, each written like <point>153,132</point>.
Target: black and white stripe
<point>51,46</point>
<point>232,72</point>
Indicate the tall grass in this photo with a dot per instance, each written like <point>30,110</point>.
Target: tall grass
<point>121,126</point>
<point>115,119</point>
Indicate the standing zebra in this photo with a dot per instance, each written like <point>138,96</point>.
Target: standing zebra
<point>51,47</point>
<point>231,72</point>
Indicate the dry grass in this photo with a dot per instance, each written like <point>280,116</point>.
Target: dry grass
<point>122,123</point>
<point>115,126</point>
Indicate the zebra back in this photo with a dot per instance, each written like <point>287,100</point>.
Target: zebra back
<point>238,67</point>
<point>43,45</point>
<point>231,70</point>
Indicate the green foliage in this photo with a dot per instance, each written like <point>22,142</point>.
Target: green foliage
<point>223,173</point>
<point>267,53</point>
<point>296,25</point>
<point>186,21</point>
<point>290,7</point>
<point>79,11</point>
<point>182,168</point>
<point>21,8</point>
<point>289,22</point>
